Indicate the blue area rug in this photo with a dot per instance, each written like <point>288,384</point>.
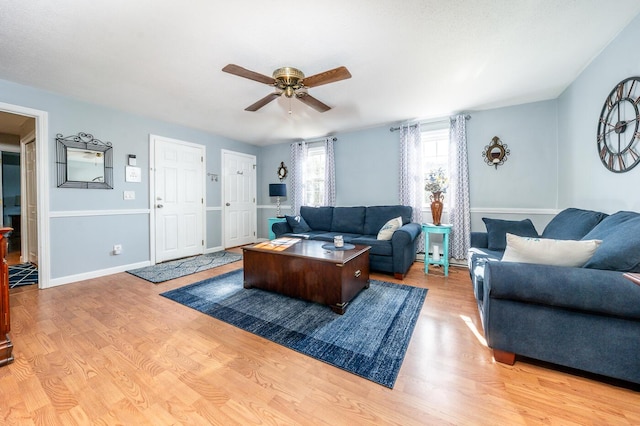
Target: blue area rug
<point>23,274</point>
<point>369,340</point>
<point>179,268</point>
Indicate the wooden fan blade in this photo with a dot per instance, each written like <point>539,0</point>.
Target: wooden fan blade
<point>307,99</point>
<point>262,102</point>
<point>251,75</point>
<point>331,76</point>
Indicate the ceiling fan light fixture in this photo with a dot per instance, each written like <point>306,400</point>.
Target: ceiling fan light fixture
<point>288,73</point>
<point>288,79</point>
<point>290,82</point>
<point>289,91</point>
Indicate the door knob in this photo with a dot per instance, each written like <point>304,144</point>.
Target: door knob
<point>159,206</point>
<point>228,204</point>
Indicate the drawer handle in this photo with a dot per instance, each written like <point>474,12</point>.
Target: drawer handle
<point>357,273</point>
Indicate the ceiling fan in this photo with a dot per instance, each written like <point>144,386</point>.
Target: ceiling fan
<point>290,82</point>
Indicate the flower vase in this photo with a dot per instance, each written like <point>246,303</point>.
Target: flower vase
<point>436,207</point>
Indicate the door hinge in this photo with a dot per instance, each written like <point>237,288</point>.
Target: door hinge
<point>202,242</point>
<point>254,167</point>
<point>201,159</point>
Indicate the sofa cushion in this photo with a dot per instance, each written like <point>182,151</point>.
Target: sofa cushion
<point>572,224</point>
<point>348,219</point>
<point>546,251</point>
<point>318,218</point>
<point>377,216</point>
<point>298,224</point>
<point>386,232</point>
<point>620,248</point>
<point>497,231</point>
<point>378,247</point>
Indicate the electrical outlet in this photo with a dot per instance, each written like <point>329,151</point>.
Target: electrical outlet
<point>117,249</point>
<point>129,195</point>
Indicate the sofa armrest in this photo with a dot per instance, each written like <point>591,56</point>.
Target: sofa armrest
<point>405,235</point>
<point>403,243</point>
<point>280,228</point>
<point>479,239</point>
<point>577,289</point>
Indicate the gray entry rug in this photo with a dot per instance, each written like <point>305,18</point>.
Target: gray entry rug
<point>369,340</point>
<point>179,268</point>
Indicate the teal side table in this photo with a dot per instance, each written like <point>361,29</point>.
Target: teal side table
<point>445,230</point>
<point>271,221</point>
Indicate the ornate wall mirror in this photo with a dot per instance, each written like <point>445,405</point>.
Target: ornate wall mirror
<point>495,154</point>
<point>84,162</point>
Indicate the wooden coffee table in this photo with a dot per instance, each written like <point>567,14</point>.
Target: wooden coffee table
<point>305,270</point>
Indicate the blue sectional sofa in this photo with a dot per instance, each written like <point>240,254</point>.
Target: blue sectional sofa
<point>361,225</point>
<point>585,317</point>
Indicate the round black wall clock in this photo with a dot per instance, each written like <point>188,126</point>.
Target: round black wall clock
<point>618,133</point>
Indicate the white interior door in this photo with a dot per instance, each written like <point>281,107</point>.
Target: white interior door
<point>178,199</point>
<point>30,240</point>
<point>239,198</point>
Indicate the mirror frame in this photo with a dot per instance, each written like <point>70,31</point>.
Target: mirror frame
<point>501,150</point>
<point>87,142</point>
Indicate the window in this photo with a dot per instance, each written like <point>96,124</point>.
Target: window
<point>314,176</point>
<point>435,154</point>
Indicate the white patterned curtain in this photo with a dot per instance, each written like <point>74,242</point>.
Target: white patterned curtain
<point>329,173</point>
<point>459,206</point>
<point>412,173</point>
<point>297,156</point>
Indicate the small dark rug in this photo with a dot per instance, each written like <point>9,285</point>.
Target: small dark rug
<point>179,268</point>
<point>23,274</point>
<point>369,340</point>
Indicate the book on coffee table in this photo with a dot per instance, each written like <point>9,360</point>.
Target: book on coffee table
<point>633,277</point>
<point>279,244</point>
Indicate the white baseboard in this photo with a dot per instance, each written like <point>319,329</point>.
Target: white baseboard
<point>213,249</point>
<point>54,282</point>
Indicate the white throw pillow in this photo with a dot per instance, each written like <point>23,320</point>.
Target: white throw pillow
<point>545,251</point>
<point>386,232</point>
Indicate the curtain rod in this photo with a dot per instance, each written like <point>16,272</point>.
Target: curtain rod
<point>317,140</point>
<point>393,129</point>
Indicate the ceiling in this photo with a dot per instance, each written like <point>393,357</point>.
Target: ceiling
<point>410,59</point>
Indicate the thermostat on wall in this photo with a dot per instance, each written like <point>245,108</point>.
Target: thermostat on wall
<point>132,160</point>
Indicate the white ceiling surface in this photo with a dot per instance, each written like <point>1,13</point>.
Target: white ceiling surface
<point>410,59</point>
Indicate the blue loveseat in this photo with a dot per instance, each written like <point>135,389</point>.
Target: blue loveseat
<point>361,225</point>
<point>585,317</point>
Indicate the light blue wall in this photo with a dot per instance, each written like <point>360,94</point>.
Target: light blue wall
<point>81,244</point>
<point>525,186</point>
<point>529,176</point>
<point>583,181</point>
<point>367,167</point>
<point>269,159</point>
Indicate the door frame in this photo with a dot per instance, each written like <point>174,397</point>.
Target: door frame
<point>24,242</point>
<point>223,193</point>
<point>43,169</point>
<point>152,190</point>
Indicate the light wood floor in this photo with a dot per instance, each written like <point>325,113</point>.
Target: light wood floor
<point>112,351</point>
